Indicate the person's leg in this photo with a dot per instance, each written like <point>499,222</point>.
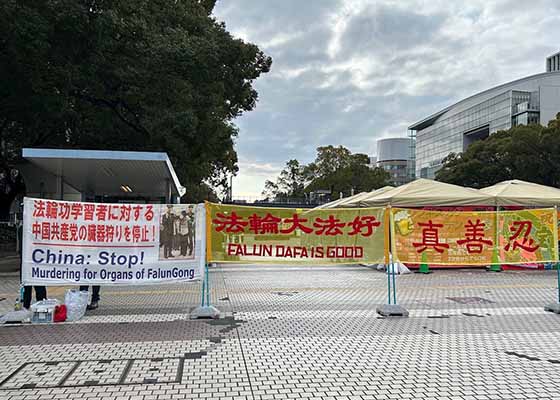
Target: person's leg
<point>94,298</point>
<point>170,248</point>
<point>40,292</point>
<point>190,244</point>
<point>184,245</point>
<point>27,296</point>
<point>95,293</point>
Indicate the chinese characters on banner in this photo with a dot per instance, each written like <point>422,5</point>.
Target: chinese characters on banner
<point>470,238</point>
<point>527,236</point>
<point>95,243</point>
<point>283,235</point>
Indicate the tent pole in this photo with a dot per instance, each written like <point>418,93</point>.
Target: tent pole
<point>394,283</point>
<point>496,267</point>
<point>555,307</point>
<point>388,255</point>
<point>393,246</point>
<point>555,236</point>
<point>391,310</point>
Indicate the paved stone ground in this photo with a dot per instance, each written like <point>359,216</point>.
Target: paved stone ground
<point>296,332</point>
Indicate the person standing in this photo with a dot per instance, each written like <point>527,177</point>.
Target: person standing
<point>94,296</point>
<point>40,291</point>
<point>168,231</point>
<point>182,229</point>
<point>191,227</point>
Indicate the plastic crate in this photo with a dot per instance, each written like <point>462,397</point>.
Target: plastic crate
<point>42,312</point>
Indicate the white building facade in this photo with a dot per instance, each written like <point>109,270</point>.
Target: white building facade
<point>393,155</point>
<point>534,99</point>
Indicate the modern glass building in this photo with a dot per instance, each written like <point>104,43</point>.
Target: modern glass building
<point>534,99</point>
<point>393,155</point>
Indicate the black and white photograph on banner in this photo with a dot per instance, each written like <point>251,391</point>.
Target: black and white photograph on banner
<point>177,232</point>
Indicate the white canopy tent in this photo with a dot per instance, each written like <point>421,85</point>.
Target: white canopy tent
<point>348,201</point>
<point>353,201</point>
<point>357,201</point>
<point>521,193</point>
<point>339,202</point>
<point>333,203</point>
<point>426,192</point>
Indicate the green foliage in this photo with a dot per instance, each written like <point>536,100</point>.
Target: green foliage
<point>290,183</point>
<point>335,169</point>
<point>356,176</point>
<point>140,75</point>
<point>530,153</point>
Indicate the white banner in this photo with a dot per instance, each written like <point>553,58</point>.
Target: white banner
<point>111,244</point>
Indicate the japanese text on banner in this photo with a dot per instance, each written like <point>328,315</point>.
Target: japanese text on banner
<point>283,235</point>
<point>93,243</point>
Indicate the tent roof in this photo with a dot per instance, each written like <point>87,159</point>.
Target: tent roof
<point>336,202</point>
<point>426,192</point>
<point>360,201</point>
<point>521,193</point>
<point>330,204</point>
<point>345,202</point>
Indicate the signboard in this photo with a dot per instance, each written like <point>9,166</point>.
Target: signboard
<point>286,235</point>
<point>527,236</point>
<point>111,244</point>
<point>474,238</point>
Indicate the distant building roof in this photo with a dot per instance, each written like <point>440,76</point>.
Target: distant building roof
<point>478,97</point>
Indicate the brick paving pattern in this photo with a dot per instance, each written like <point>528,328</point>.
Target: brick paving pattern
<point>294,333</point>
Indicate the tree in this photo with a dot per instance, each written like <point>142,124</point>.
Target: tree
<point>526,152</point>
<point>555,123</point>
<point>271,190</point>
<point>335,169</point>
<point>126,75</point>
<point>352,176</point>
<point>290,183</point>
<point>329,159</point>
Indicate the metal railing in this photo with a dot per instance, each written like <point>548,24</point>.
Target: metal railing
<point>278,201</point>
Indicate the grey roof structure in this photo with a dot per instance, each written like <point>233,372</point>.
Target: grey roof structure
<point>102,172</point>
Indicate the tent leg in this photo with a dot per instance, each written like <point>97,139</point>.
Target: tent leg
<point>392,310</point>
<point>205,311</point>
<point>555,307</point>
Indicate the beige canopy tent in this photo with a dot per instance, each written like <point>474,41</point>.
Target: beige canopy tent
<point>357,201</point>
<point>335,203</point>
<point>342,203</point>
<point>426,192</point>
<point>521,193</point>
<point>354,201</point>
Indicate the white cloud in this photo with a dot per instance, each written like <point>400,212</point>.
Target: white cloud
<point>250,180</point>
<point>257,169</point>
<point>351,72</point>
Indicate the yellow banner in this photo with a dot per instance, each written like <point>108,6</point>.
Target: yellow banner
<point>446,238</point>
<point>527,236</point>
<point>286,235</point>
<point>474,238</point>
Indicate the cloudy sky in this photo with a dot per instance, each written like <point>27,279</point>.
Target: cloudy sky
<point>349,72</point>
